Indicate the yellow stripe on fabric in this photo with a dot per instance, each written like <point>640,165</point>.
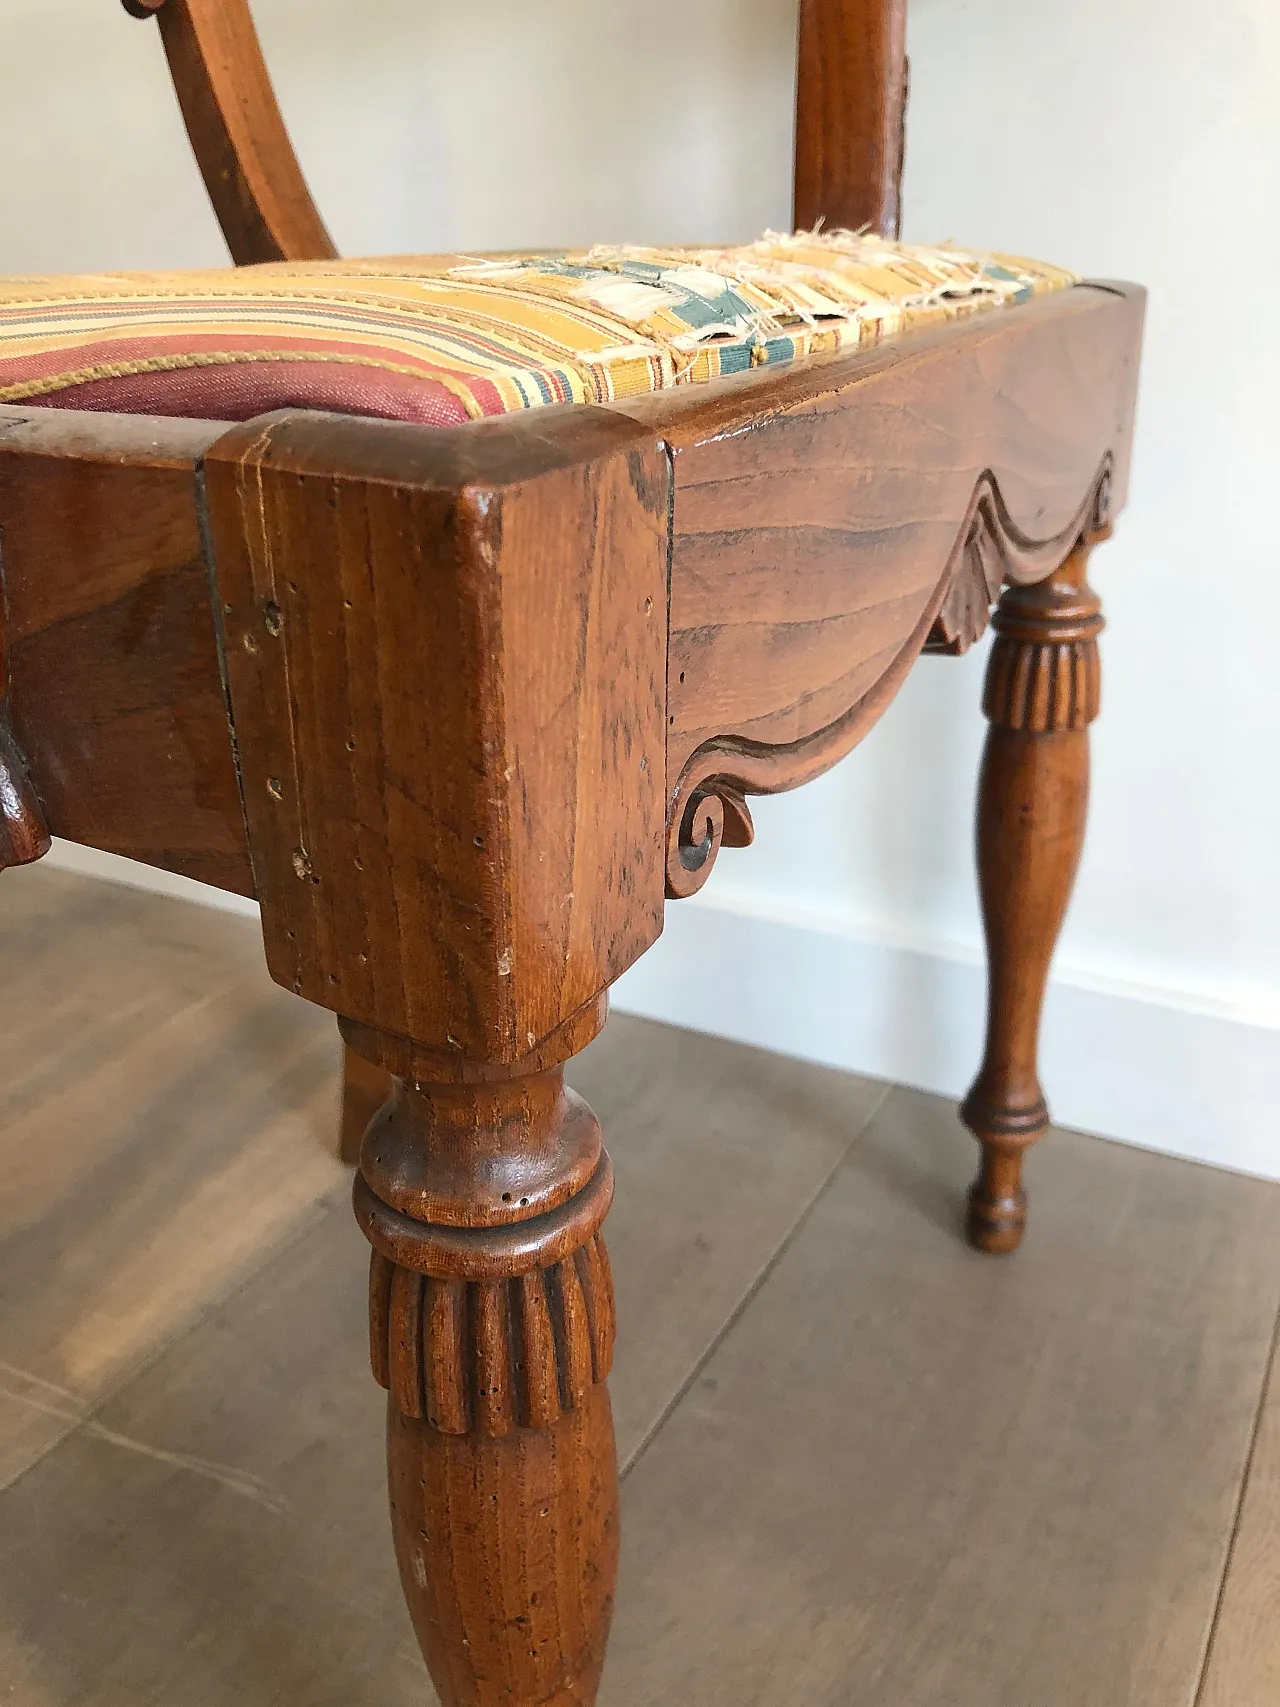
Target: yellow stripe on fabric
<point>606,323</point>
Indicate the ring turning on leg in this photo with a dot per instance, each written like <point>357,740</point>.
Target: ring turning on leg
<point>492,1328</point>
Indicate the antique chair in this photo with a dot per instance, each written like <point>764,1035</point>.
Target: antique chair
<point>463,702</point>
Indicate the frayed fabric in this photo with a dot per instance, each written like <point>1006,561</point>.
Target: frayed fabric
<point>483,335</point>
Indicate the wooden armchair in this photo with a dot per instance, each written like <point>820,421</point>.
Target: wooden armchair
<point>465,706</point>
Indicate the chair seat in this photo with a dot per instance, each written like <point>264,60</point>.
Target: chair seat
<point>446,339</point>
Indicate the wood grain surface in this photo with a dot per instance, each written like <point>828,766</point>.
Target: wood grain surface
<point>851,112</point>
<point>116,695</point>
<point>814,523</point>
<point>446,654</point>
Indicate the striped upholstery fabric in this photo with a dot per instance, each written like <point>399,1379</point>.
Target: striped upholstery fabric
<point>447,339</point>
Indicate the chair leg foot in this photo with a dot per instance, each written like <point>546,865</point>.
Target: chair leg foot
<point>997,1215</point>
<point>1042,693</point>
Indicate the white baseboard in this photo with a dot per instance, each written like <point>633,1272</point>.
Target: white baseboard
<point>1140,1064</point>
<point>1136,1064</point>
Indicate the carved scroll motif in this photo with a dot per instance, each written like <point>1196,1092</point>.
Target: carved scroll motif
<point>707,807</point>
<point>994,550</point>
<point>712,814</point>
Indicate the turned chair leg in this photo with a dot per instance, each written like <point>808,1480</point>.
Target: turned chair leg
<point>491,1316</point>
<point>1042,693</point>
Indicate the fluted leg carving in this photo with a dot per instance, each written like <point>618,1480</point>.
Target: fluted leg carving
<point>1042,693</point>
<point>492,1328</point>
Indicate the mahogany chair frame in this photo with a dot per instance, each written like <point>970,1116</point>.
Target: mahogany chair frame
<point>465,708</point>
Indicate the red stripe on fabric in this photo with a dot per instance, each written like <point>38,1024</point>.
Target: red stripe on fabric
<point>246,389</point>
<point>489,399</point>
<point>73,358</point>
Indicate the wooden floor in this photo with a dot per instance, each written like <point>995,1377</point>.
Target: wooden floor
<point>864,1465</point>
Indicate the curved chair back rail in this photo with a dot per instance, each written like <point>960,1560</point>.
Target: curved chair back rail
<point>850,117</point>
<point>237,131</point>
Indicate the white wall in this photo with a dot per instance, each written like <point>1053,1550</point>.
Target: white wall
<point>1136,138</point>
